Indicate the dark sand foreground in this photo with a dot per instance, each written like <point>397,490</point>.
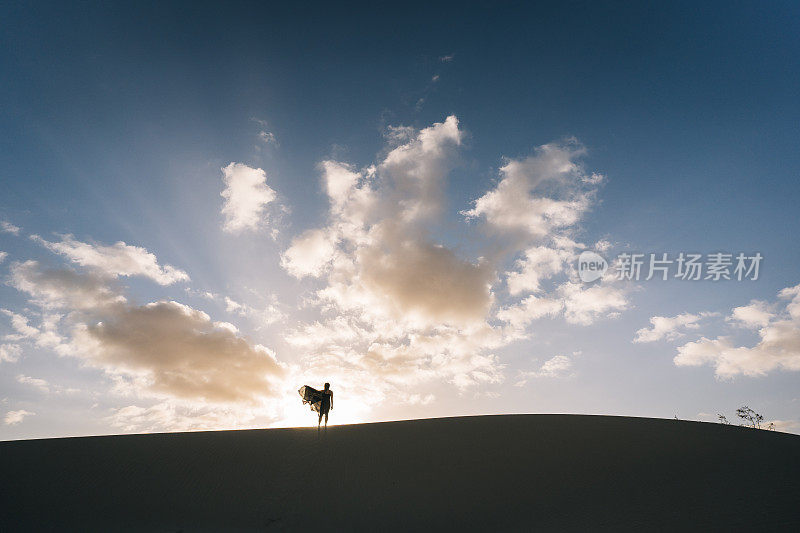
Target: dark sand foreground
<point>486,473</point>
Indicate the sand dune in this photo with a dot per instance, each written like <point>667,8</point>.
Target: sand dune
<point>487,473</point>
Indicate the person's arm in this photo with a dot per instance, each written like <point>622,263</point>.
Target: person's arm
<point>331,400</point>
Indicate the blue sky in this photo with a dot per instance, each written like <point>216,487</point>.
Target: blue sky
<point>675,128</point>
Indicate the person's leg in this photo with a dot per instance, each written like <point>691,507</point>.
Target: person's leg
<point>326,419</point>
<point>320,419</point>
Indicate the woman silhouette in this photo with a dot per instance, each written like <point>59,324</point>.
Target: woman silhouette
<point>326,404</point>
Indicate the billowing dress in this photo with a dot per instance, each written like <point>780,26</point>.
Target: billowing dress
<point>312,396</point>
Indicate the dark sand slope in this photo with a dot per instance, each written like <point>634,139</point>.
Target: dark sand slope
<point>488,473</point>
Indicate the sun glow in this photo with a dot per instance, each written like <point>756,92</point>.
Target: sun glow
<point>346,411</point>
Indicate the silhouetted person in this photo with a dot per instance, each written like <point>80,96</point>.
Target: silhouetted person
<point>326,405</point>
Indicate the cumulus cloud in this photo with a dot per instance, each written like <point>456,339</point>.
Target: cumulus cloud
<point>535,208</point>
<point>583,305</point>
<point>399,304</point>
<point>396,356</point>
<point>778,347</point>
<point>46,335</point>
<point>21,326</point>
<point>9,353</point>
<point>577,303</point>
<point>163,349</point>
<point>119,259</point>
<point>537,263</point>
<point>8,227</point>
<point>247,196</point>
<point>756,314</point>
<point>558,366</point>
<point>376,252</point>
<point>530,309</point>
<point>539,194</point>
<point>3,256</point>
<point>63,288</point>
<point>15,417</point>
<point>40,384</point>
<point>668,327</point>
<point>171,348</point>
<point>309,254</point>
<point>427,281</point>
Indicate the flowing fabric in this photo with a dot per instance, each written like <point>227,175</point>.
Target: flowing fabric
<point>312,396</point>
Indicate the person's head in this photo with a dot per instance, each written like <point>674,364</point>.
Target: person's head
<point>327,386</point>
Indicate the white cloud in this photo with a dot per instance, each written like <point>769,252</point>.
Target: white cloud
<point>730,360</point>
<point>267,137</point>
<point>428,282</point>
<point>334,331</point>
<point>787,426</point>
<point>538,262</point>
<point>540,194</point>
<point>260,315</point>
<point>37,383</point>
<point>269,314</point>
<point>8,227</point>
<point>668,328</point>
<point>558,366</point>
<point>578,303</point>
<point>247,196</point>
<point>119,259</point>
<point>583,305</point>
<point>46,335</point>
<point>161,349</point>
<point>375,251</point>
<point>530,309</point>
<point>10,353</point>
<point>20,325</point>
<point>232,306</point>
<point>535,208</point>
<point>62,288</point>
<point>309,254</point>
<point>778,347</point>
<point>602,245</point>
<point>264,135</point>
<point>15,417</point>
<point>206,295</point>
<point>403,306</point>
<point>398,304</point>
<point>3,256</point>
<point>172,349</point>
<point>756,314</point>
